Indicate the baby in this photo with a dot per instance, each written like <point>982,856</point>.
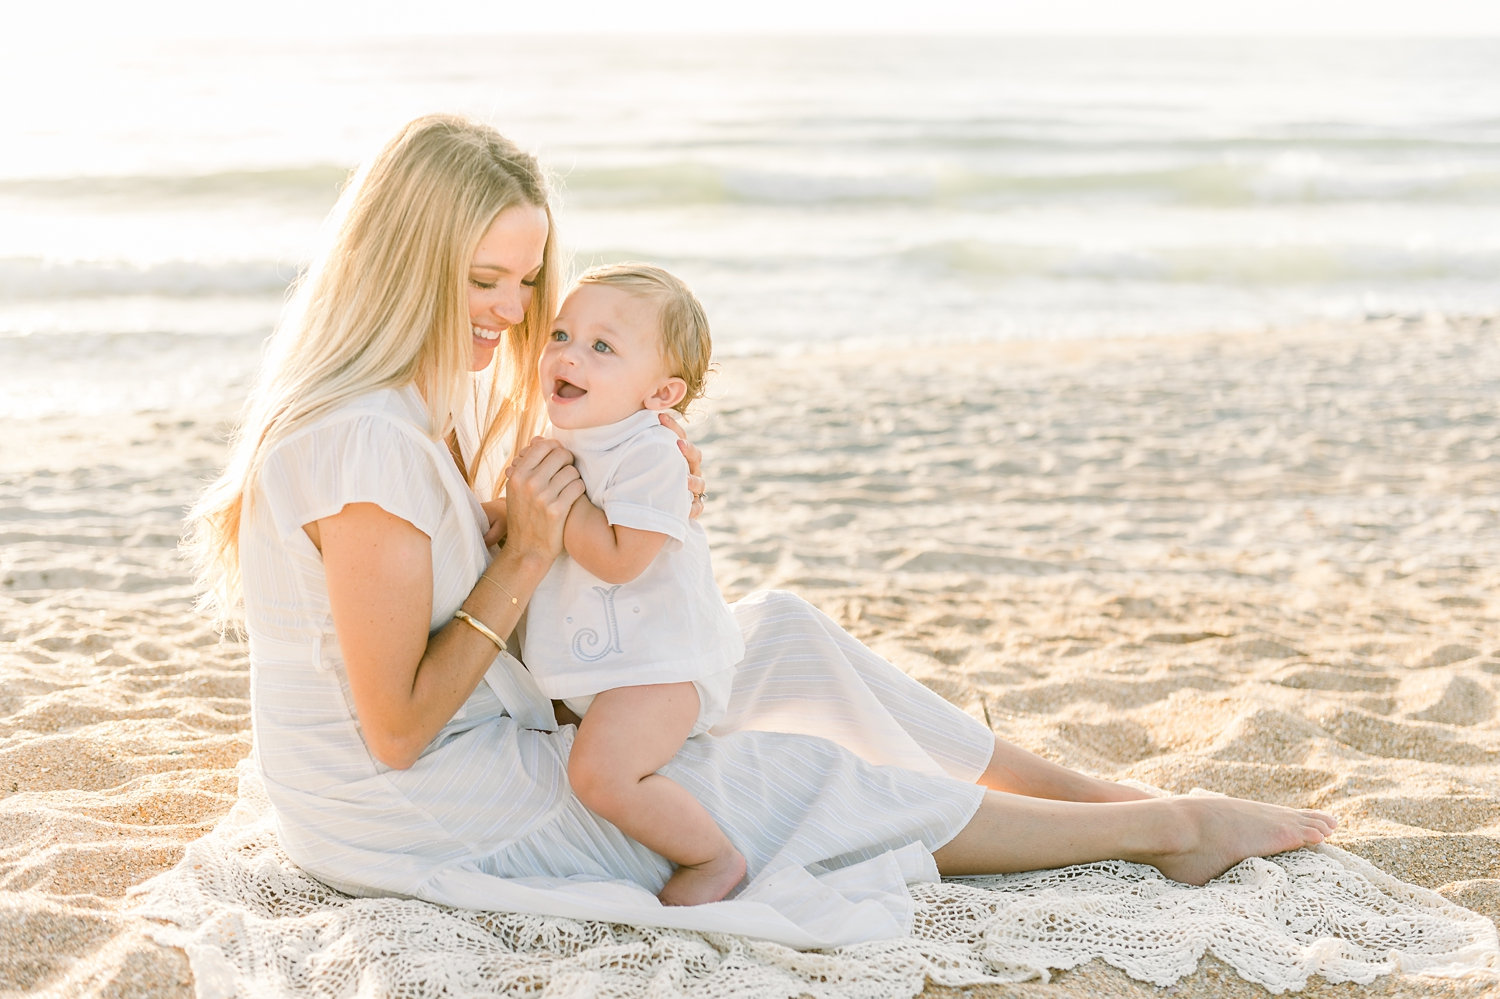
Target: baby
<point>628,627</point>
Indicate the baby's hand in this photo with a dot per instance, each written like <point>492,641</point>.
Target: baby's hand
<point>495,511</point>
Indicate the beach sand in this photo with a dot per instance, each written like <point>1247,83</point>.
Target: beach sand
<point>1262,565</point>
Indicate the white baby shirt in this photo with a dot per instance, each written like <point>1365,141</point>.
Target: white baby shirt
<point>667,625</point>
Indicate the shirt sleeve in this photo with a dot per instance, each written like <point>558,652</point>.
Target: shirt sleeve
<point>648,490</point>
<point>362,459</point>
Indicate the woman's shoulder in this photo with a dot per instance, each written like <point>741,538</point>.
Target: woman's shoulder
<point>396,405</point>
<point>395,413</point>
<point>372,448</point>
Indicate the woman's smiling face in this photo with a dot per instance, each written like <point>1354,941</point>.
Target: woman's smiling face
<point>502,275</point>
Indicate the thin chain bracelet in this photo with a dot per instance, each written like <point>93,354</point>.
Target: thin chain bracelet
<point>513,601</point>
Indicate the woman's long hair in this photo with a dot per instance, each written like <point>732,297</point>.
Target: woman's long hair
<point>384,305</point>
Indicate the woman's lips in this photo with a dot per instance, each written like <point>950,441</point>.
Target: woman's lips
<point>486,334</point>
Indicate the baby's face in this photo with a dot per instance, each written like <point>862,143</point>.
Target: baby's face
<point>603,360</point>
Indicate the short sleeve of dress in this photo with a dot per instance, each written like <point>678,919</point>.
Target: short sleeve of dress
<point>648,490</point>
<point>362,458</point>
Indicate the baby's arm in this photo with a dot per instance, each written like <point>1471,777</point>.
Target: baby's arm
<point>613,553</point>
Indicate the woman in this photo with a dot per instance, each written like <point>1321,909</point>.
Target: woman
<point>404,751</point>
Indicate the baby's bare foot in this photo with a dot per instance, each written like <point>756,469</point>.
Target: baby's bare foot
<point>706,882</point>
<point>1217,833</point>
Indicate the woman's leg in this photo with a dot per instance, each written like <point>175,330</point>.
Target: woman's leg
<point>1017,771</point>
<point>803,674</point>
<point>1189,839</point>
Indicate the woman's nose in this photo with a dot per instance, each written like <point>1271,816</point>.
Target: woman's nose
<point>510,309</point>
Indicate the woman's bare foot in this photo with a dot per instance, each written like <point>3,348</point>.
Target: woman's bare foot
<point>1214,834</point>
<point>710,881</point>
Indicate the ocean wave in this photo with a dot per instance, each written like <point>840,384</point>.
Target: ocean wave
<point>953,167</point>
<point>313,184</point>
<point>1227,265</point>
<point>30,279</point>
<point>1286,177</point>
<point>33,280</point>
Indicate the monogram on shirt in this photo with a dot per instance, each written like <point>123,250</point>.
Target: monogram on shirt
<point>587,645</point>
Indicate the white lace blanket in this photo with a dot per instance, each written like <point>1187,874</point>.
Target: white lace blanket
<point>254,925</point>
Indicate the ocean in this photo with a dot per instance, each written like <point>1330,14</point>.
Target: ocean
<point>818,192</point>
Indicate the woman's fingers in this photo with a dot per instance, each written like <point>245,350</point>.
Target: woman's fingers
<point>570,489</point>
<point>669,421</point>
<point>539,462</point>
<point>542,485</point>
<point>696,484</point>
<point>533,456</point>
<point>688,448</point>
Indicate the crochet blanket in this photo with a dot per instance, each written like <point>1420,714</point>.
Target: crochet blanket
<point>254,925</point>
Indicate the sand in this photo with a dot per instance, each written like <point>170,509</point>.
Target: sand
<point>1264,565</point>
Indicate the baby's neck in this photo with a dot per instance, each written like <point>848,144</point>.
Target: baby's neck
<point>611,423</point>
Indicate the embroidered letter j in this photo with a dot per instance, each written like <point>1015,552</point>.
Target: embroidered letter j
<point>585,637</point>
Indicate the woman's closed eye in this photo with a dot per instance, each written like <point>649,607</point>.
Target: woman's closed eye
<point>482,285</point>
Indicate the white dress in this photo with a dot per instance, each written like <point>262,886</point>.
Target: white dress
<point>485,819</point>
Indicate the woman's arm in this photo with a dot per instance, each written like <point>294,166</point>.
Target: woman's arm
<point>407,684</point>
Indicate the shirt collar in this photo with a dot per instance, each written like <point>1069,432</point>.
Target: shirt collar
<point>608,436</point>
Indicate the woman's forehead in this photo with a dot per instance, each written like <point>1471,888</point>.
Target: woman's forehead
<point>514,241</point>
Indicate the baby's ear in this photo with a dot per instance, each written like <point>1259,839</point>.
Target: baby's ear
<point>667,395</point>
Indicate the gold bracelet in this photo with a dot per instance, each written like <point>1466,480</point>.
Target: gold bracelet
<point>479,626</point>
<point>495,583</point>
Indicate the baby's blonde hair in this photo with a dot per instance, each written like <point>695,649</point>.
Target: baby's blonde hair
<point>685,342</point>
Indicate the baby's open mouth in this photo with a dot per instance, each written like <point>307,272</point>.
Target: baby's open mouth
<point>566,390</point>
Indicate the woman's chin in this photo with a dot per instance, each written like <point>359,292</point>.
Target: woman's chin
<point>484,353</point>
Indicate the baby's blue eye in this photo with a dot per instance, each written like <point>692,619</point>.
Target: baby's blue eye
<point>601,347</point>
<point>560,336</point>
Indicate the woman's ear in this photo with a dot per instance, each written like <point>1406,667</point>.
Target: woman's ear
<point>667,395</point>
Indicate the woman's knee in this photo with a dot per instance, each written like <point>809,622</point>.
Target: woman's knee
<point>774,599</point>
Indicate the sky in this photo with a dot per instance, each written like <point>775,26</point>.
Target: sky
<point>109,20</point>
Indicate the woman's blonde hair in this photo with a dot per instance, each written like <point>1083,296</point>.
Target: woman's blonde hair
<point>685,342</point>
<point>384,305</point>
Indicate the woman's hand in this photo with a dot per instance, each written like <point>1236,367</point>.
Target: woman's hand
<point>695,481</point>
<point>541,487</point>
<point>494,510</point>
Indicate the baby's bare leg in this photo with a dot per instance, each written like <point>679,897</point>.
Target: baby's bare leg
<point>627,735</point>
<point>1189,839</point>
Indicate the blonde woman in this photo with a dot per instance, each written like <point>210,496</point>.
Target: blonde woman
<point>405,751</point>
